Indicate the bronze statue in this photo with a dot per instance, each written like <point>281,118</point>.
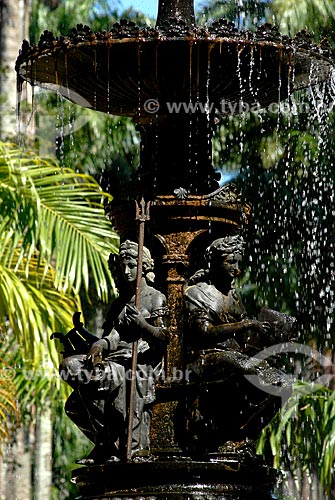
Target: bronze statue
<point>221,344</point>
<point>101,378</point>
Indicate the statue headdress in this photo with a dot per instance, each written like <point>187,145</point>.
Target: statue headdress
<point>224,246</point>
<point>218,248</point>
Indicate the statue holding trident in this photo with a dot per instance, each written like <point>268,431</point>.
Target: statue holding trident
<point>114,384</point>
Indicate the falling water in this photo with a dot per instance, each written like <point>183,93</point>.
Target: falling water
<point>290,241</point>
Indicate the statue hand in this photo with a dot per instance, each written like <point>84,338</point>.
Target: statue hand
<point>165,335</point>
<point>259,326</point>
<point>259,333</point>
<point>142,328</point>
<point>94,356</point>
<point>134,318</point>
<point>264,327</point>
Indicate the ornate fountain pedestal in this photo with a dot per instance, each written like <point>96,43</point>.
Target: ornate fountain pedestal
<point>188,460</point>
<point>181,227</point>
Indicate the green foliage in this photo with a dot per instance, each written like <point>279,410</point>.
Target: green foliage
<point>288,177</point>
<point>317,16</point>
<point>246,15</point>
<point>302,434</point>
<point>53,213</point>
<point>66,15</point>
<point>55,241</point>
<point>99,15</point>
<point>111,152</point>
<point>104,146</point>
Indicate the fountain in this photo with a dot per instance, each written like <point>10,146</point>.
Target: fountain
<point>175,81</point>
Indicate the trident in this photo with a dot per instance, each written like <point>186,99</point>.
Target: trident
<point>142,215</point>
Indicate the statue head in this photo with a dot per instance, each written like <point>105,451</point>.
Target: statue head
<point>128,252</point>
<point>223,258</point>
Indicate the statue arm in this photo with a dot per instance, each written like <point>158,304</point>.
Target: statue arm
<point>102,346</point>
<point>159,332</point>
<point>205,334</point>
<point>208,326</point>
<point>155,326</point>
<point>226,330</point>
<point>111,340</point>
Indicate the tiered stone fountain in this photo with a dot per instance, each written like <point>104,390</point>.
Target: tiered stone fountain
<point>139,73</point>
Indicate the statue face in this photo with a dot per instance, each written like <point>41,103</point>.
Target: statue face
<point>230,265</point>
<point>129,268</point>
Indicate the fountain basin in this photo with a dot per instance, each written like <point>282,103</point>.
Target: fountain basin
<point>174,81</point>
<point>180,478</point>
<point>121,75</point>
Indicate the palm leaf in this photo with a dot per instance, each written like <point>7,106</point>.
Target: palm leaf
<point>34,309</point>
<point>54,241</point>
<point>59,213</point>
<point>306,427</point>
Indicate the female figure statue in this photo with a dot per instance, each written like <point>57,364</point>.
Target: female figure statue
<point>101,378</point>
<point>215,313</point>
<point>222,342</point>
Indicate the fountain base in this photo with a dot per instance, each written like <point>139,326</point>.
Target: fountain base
<point>224,476</point>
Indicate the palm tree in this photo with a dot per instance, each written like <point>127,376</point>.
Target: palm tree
<point>54,242</point>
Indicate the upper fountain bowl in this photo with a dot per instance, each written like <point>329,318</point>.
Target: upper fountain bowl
<point>131,71</point>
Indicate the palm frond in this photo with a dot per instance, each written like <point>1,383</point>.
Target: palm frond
<point>54,241</point>
<point>59,213</point>
<point>34,309</point>
<point>301,435</point>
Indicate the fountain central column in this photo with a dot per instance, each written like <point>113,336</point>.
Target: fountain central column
<point>176,153</point>
<point>182,10</point>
